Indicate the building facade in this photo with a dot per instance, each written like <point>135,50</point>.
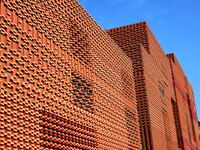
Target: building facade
<point>198,134</point>
<point>162,122</point>
<point>184,107</point>
<point>65,84</point>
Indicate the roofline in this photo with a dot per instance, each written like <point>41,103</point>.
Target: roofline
<point>143,23</point>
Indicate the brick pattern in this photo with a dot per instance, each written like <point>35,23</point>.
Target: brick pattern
<point>64,83</point>
<point>82,92</point>
<point>57,132</point>
<point>152,72</point>
<point>133,36</point>
<point>186,113</point>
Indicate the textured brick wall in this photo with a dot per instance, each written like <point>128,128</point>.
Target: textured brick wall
<point>198,136</point>
<point>152,75</point>
<point>64,83</point>
<point>186,106</point>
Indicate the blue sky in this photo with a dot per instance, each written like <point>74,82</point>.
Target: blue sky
<point>175,23</point>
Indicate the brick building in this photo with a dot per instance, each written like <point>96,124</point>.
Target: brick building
<point>198,134</point>
<point>64,83</point>
<point>67,84</point>
<point>160,109</point>
<point>184,104</point>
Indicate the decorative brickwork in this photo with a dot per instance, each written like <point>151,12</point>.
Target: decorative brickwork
<point>67,84</point>
<point>64,83</point>
<point>186,120</point>
<point>153,85</point>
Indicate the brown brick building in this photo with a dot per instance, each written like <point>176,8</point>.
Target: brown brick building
<point>162,121</point>
<point>198,134</point>
<point>66,84</point>
<point>184,104</point>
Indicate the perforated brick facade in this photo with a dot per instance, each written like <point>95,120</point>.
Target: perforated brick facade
<point>198,135</point>
<point>159,115</point>
<point>65,84</point>
<point>184,99</point>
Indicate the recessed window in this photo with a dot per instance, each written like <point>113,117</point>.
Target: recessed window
<point>162,93</point>
<point>82,92</point>
<point>177,123</point>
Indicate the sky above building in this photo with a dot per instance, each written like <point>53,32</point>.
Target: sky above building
<point>175,23</point>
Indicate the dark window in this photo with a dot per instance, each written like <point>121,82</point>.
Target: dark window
<point>82,92</point>
<point>79,43</point>
<point>191,117</point>
<point>162,93</point>
<point>167,128</point>
<point>147,138</point>
<point>177,123</point>
<point>188,128</point>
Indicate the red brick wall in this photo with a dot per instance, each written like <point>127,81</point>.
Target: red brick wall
<point>186,104</point>
<point>64,83</point>
<point>198,136</point>
<point>138,42</point>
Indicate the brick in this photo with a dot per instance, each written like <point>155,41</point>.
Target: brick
<point>162,122</point>
<point>63,80</point>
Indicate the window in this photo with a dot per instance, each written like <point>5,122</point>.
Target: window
<point>167,128</point>
<point>177,123</point>
<point>146,137</point>
<point>188,129</point>
<point>191,117</point>
<point>82,92</point>
<point>162,93</point>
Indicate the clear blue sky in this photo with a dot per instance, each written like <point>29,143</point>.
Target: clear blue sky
<point>176,24</point>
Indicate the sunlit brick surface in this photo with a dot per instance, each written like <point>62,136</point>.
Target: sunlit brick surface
<point>67,84</point>
<point>188,125</point>
<point>162,122</point>
<point>64,83</point>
